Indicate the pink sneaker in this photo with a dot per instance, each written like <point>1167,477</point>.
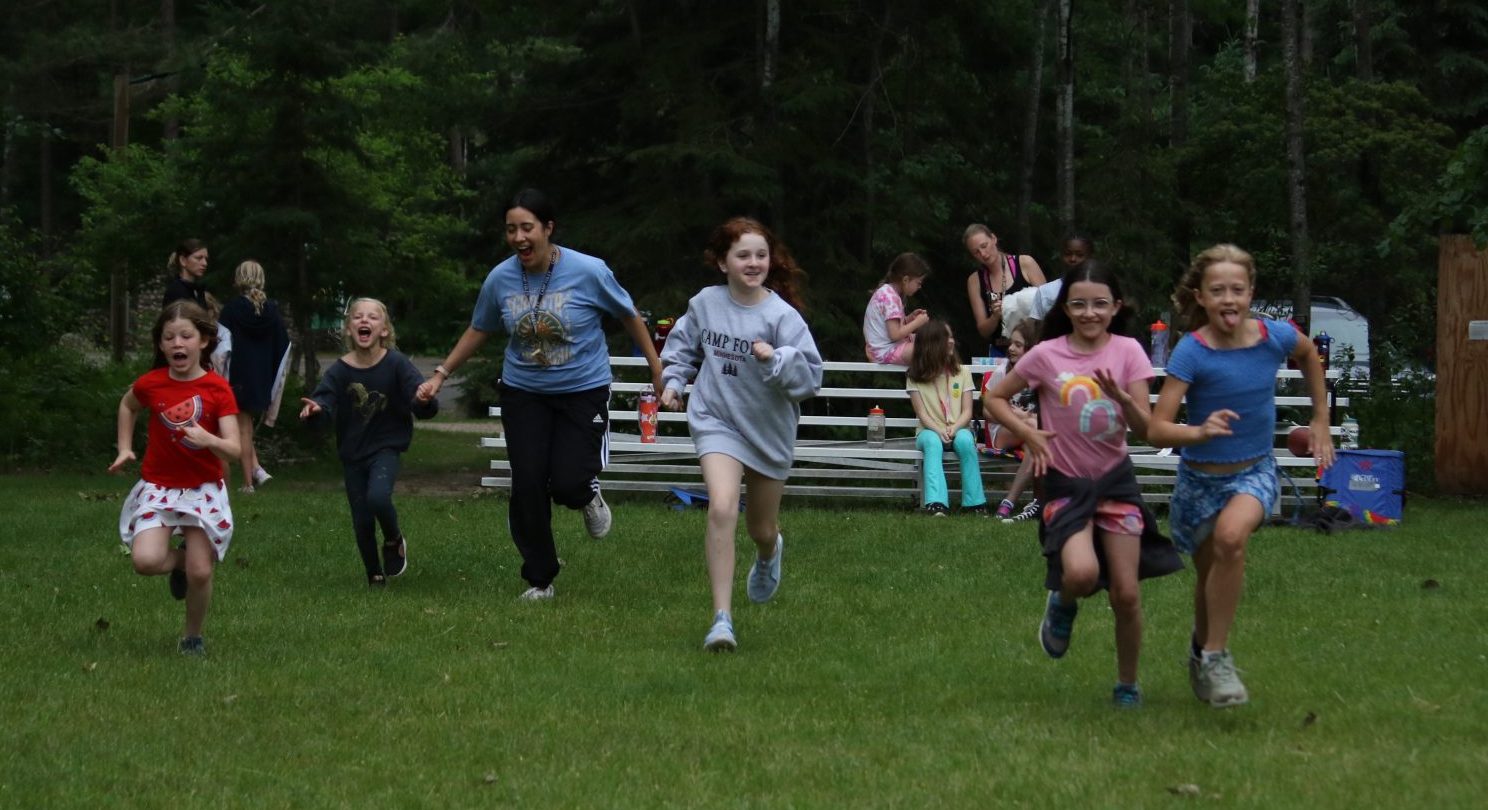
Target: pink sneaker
<point>1005,509</point>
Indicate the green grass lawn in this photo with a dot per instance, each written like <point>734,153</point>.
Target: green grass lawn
<point>898,665</point>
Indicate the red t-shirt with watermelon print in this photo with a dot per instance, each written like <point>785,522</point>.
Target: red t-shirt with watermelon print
<point>170,459</point>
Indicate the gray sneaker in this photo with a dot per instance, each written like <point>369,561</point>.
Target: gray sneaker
<point>1219,683</point>
<point>721,636</point>
<point>597,516</point>
<point>764,575</point>
<point>537,594</point>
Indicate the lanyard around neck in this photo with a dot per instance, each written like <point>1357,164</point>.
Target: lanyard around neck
<point>547,277</point>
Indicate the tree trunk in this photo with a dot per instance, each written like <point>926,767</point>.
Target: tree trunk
<point>1065,116</point>
<point>1030,125</point>
<point>870,165</point>
<point>1252,33</point>
<point>1304,36</point>
<point>457,149</point>
<point>7,150</point>
<point>769,59</point>
<point>770,46</point>
<point>171,126</point>
<point>1180,32</point>
<point>44,179</point>
<point>301,317</point>
<point>119,271</point>
<point>1363,47</point>
<point>1296,165</point>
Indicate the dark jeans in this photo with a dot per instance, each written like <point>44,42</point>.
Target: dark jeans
<point>557,445</point>
<point>369,491</point>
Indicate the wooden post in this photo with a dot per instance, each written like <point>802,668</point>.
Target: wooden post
<point>119,271</point>
<point>1461,357</point>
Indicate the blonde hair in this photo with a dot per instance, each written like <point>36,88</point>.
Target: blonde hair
<point>389,342</point>
<point>1189,315</point>
<point>249,280</point>
<point>974,229</point>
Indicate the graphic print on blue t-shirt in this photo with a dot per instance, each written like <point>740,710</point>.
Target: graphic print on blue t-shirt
<point>541,332</point>
<point>1070,387</point>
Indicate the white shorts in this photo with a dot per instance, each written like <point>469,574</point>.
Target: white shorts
<point>204,507</point>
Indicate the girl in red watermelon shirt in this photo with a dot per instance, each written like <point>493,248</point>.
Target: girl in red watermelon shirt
<point>191,433</point>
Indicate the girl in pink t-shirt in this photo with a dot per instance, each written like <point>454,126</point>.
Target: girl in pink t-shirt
<point>1092,383</point>
<point>888,332</point>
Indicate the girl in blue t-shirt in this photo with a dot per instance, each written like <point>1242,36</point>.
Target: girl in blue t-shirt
<point>1226,367</point>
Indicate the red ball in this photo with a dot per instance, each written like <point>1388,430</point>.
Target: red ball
<point>1297,441</point>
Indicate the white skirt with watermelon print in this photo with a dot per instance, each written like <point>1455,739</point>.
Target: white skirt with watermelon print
<point>204,507</point>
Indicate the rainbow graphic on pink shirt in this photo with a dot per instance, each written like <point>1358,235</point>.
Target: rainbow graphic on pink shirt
<point>1070,385</point>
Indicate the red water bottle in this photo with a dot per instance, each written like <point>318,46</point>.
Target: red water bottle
<point>663,328</point>
<point>646,410</point>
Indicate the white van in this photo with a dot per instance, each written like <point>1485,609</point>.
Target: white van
<point>1348,328</point>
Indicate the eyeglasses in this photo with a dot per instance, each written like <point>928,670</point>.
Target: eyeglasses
<point>1099,306</point>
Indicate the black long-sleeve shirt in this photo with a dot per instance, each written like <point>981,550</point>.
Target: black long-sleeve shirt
<point>373,407</point>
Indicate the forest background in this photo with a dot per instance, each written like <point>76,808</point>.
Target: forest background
<point>369,148</point>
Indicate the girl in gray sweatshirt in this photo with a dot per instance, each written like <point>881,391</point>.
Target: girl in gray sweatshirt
<point>752,360</point>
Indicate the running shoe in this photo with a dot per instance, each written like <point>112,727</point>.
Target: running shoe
<point>597,516</point>
<point>1058,625</point>
<point>721,636</point>
<point>395,557</point>
<point>1127,696</point>
<point>1219,682</point>
<point>764,575</point>
<point>537,594</point>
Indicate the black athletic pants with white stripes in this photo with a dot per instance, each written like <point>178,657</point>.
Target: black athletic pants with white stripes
<point>557,445</point>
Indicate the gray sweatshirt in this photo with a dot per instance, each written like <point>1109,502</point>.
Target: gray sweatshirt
<point>741,407</point>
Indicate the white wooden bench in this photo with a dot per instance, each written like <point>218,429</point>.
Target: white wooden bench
<point>832,457</point>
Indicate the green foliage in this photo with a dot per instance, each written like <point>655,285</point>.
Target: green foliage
<point>58,406</point>
<point>34,295</point>
<point>1396,410</point>
<point>479,388</point>
<point>1456,203</point>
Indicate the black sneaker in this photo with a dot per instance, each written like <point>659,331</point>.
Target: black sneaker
<point>980,510</point>
<point>193,645</point>
<point>178,583</point>
<point>376,581</point>
<point>936,509</point>
<point>1030,512</point>
<point>395,557</point>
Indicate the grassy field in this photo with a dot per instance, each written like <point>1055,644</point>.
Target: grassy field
<point>898,666</point>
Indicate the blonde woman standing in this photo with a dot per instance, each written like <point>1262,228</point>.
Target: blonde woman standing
<point>260,358</point>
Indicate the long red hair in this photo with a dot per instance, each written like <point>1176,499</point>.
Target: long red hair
<point>785,277</point>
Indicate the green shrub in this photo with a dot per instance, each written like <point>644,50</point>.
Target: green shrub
<point>1397,411</point>
<point>60,408</point>
<point>478,386</point>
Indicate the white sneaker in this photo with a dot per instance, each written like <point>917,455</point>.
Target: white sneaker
<point>597,516</point>
<point>721,637</point>
<point>764,575</point>
<point>536,594</point>
<point>1219,683</point>
<point>261,476</point>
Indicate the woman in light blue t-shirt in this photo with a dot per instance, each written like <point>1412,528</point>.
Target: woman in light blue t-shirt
<point>555,378</point>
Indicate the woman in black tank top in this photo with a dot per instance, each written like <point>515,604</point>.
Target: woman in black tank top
<point>997,274</point>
